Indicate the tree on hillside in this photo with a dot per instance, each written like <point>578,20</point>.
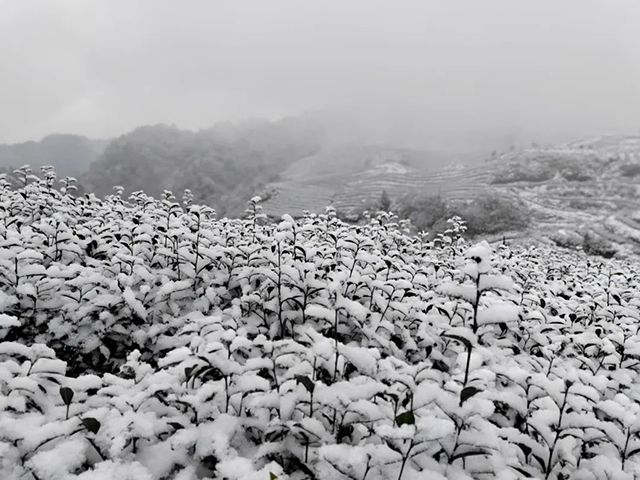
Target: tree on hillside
<point>485,214</point>
<point>424,211</point>
<point>385,202</point>
<point>492,214</point>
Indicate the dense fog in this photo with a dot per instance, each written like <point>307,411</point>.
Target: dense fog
<point>416,74</point>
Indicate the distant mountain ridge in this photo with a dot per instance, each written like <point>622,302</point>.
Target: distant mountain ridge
<point>70,155</point>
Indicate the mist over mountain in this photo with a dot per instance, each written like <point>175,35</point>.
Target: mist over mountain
<point>227,164</point>
<point>306,162</point>
<point>223,166</point>
<point>70,155</point>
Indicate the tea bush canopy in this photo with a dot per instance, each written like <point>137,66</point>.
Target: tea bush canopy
<point>141,338</point>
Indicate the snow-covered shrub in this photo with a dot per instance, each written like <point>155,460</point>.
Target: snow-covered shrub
<point>143,339</point>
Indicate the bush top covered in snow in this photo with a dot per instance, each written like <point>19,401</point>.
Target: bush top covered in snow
<point>144,339</point>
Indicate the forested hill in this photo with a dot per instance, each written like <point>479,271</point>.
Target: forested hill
<point>226,165</point>
<point>68,154</point>
<point>223,166</point>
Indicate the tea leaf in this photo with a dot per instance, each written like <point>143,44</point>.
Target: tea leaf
<point>307,382</point>
<point>406,418</point>
<point>91,424</point>
<point>467,393</point>
<point>67,395</point>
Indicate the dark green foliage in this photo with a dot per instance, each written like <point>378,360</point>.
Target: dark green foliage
<point>91,424</point>
<point>574,173</point>
<point>597,245</point>
<point>630,170</point>
<point>406,418</point>
<point>385,202</point>
<point>567,239</point>
<point>426,212</point>
<point>523,173</point>
<point>307,382</point>
<point>467,393</point>
<point>490,214</point>
<point>67,395</point>
<point>584,204</point>
<point>485,214</point>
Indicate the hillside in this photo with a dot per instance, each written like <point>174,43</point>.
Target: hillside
<point>590,187</point>
<point>293,164</point>
<point>583,189</point>
<point>223,166</point>
<point>350,178</point>
<point>70,155</point>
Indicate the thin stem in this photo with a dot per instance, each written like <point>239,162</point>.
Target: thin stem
<point>466,370</point>
<point>404,459</point>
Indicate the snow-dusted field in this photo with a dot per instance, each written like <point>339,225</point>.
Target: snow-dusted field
<point>148,340</point>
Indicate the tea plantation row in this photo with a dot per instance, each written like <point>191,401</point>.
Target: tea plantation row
<point>144,339</point>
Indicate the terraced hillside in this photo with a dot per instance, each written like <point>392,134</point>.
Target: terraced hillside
<point>587,188</point>
<point>350,178</point>
<point>584,188</point>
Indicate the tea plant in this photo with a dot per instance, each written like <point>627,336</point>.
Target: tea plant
<point>148,339</point>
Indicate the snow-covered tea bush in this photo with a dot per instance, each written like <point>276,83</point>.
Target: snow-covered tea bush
<point>142,339</point>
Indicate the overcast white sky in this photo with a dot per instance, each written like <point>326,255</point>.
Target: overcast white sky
<point>102,68</point>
